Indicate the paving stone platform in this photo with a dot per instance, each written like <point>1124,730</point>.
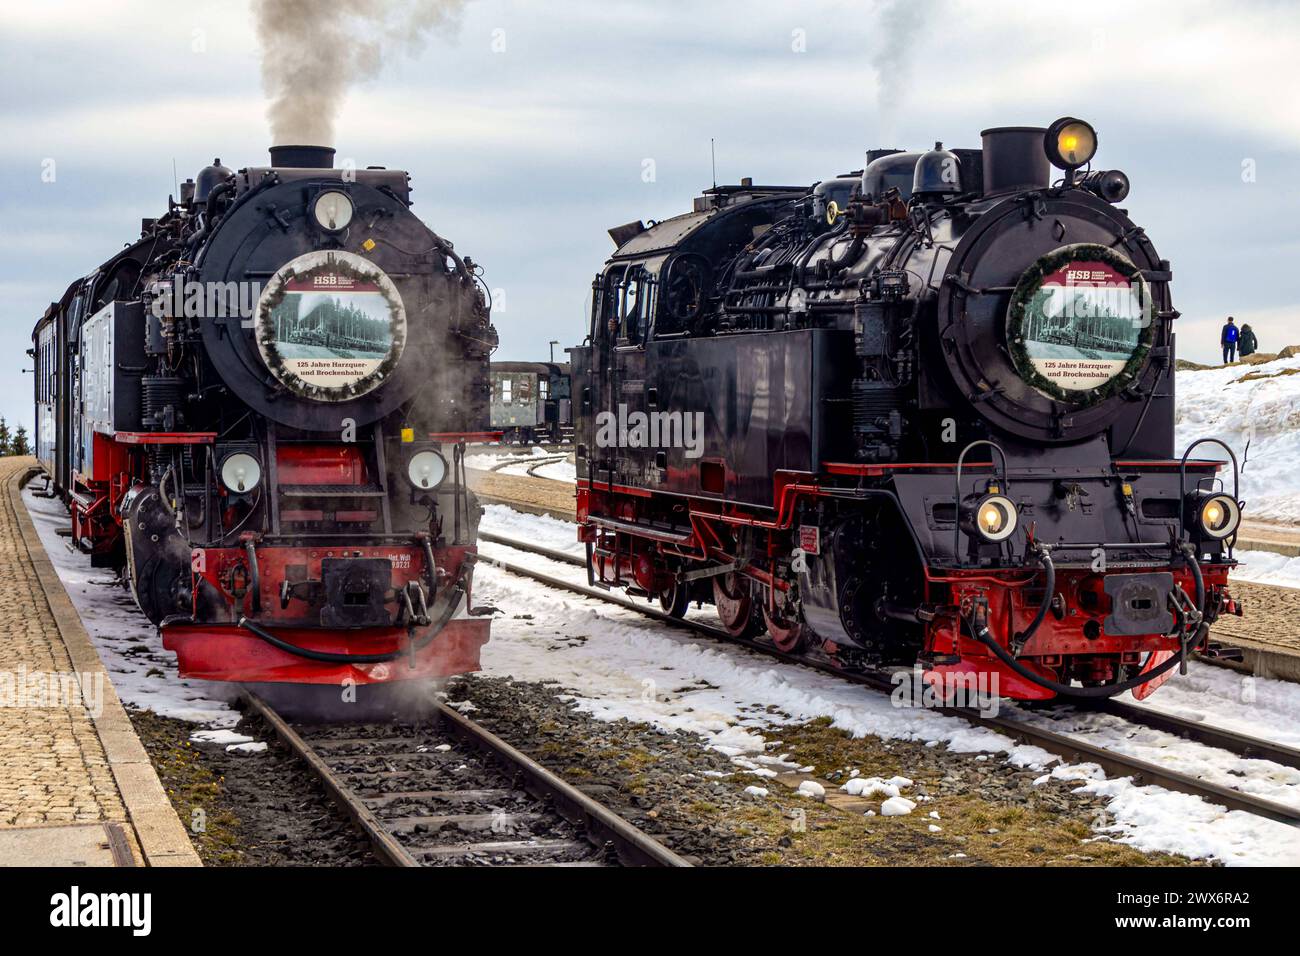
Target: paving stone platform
<point>76,785</point>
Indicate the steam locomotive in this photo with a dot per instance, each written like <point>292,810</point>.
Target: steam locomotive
<point>920,414</point>
<point>257,413</point>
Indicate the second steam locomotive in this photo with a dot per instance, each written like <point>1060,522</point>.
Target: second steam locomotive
<point>917,415</point>
<point>257,412</point>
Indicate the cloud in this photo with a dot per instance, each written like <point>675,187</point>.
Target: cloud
<point>525,139</point>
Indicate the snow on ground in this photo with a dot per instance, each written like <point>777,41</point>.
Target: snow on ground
<point>143,673</point>
<point>616,664</point>
<point>1216,403</point>
<point>1255,706</point>
<point>535,529</point>
<point>1267,567</point>
<point>1261,778</point>
<point>558,471</point>
<point>523,457</point>
<point>620,665</point>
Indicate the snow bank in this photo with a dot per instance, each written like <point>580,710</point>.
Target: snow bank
<point>517,461</point>
<point>1217,403</point>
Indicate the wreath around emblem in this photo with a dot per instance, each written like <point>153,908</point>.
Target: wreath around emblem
<point>341,263</point>
<point>1032,280</point>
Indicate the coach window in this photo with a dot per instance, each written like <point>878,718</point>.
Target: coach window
<point>542,388</point>
<point>505,391</point>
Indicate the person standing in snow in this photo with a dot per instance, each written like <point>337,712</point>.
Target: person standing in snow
<point>1228,339</point>
<point>1246,343</point>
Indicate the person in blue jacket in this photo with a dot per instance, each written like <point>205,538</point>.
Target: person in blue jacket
<point>1228,339</point>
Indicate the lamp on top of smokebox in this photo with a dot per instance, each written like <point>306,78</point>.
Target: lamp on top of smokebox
<point>1070,143</point>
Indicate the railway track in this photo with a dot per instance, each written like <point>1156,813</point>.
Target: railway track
<point>447,792</point>
<point>533,462</point>
<point>1068,748</point>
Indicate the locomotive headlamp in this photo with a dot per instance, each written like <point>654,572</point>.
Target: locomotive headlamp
<point>991,517</point>
<point>1070,143</point>
<point>332,211</point>
<point>1110,184</point>
<point>241,472</point>
<point>1217,515</point>
<point>426,469</point>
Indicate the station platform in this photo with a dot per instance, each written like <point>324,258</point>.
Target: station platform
<point>76,785</point>
<point>537,496</point>
<point>1281,539</point>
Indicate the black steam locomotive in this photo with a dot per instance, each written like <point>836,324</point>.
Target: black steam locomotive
<point>257,412</point>
<point>920,414</point>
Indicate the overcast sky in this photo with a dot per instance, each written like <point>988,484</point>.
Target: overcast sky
<point>527,129</point>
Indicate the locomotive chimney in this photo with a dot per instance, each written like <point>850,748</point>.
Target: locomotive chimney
<point>1014,158</point>
<point>303,157</point>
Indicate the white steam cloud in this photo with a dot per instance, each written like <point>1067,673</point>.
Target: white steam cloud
<point>313,52</point>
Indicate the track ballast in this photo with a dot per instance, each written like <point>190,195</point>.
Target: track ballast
<point>445,791</point>
<point>1067,748</point>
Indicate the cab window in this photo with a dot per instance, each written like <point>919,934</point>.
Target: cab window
<point>611,290</point>
<point>637,306</point>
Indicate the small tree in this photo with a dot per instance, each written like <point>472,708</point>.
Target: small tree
<point>20,446</point>
<point>5,439</point>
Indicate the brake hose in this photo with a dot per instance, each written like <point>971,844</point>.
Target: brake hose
<point>981,633</point>
<point>329,657</point>
<point>1021,639</point>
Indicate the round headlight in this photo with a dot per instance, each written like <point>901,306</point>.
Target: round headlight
<point>333,211</point>
<point>241,473</point>
<point>994,517</point>
<point>1070,143</point>
<point>1218,516</point>
<point>426,469</point>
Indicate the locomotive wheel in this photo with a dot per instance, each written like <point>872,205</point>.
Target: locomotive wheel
<point>789,635</point>
<point>676,599</point>
<point>735,605</point>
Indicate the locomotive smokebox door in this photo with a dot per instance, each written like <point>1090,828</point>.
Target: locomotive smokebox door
<point>1139,603</point>
<point>355,592</point>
